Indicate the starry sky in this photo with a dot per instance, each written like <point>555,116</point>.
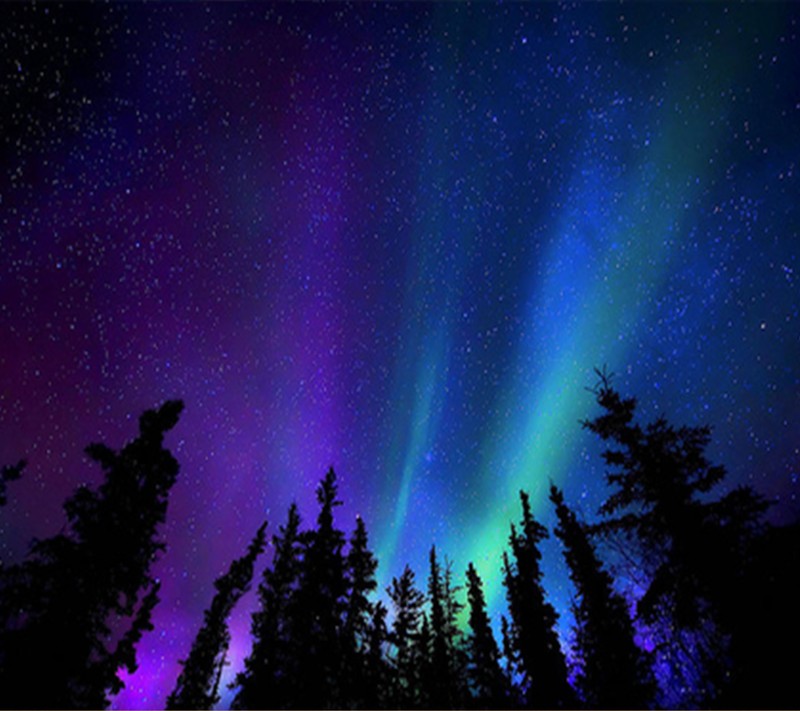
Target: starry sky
<point>396,239</point>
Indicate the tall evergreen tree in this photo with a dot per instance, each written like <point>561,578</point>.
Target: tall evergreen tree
<point>532,640</point>
<point>376,692</point>
<point>423,664</point>
<point>695,548</point>
<point>358,622</point>
<point>487,682</point>
<point>511,656</point>
<point>197,685</point>
<point>614,673</point>
<point>455,644</point>
<point>439,652</point>
<point>407,601</point>
<point>320,604</point>
<point>73,612</point>
<point>446,687</point>
<point>269,671</point>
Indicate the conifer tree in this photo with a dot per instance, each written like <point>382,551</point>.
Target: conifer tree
<point>487,682</point>
<point>376,692</point>
<point>197,685</point>
<point>445,673</point>
<point>320,606</point>
<point>73,612</point>
<point>457,655</point>
<point>532,640</point>
<point>358,621</point>
<point>439,651</point>
<point>407,601</point>
<point>695,549</point>
<point>423,664</point>
<point>270,669</point>
<point>614,673</point>
<point>511,657</point>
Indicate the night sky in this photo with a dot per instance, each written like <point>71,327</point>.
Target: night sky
<point>395,239</point>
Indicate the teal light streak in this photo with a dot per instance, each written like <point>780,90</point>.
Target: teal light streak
<point>437,263</point>
<point>604,272</point>
<point>425,416</point>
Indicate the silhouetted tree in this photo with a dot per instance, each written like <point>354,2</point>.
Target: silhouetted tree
<point>446,689</point>
<point>73,612</point>
<point>532,642</point>
<point>320,604</point>
<point>423,664</point>
<point>455,639</point>
<point>694,548</point>
<point>438,655</point>
<point>376,692</point>
<point>358,621</point>
<point>270,670</point>
<point>407,601</point>
<point>487,683</point>
<point>516,694</point>
<point>197,685</point>
<point>613,671</point>
<point>10,472</point>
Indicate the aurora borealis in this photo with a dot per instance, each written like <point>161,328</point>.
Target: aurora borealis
<point>394,238</point>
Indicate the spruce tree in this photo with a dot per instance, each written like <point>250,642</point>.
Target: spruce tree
<point>197,685</point>
<point>487,682</point>
<point>74,611</point>
<point>444,682</point>
<point>614,673</point>
<point>376,691</point>
<point>422,651</point>
<point>439,651</point>
<point>270,669</point>
<point>320,603</point>
<point>532,640</point>
<point>511,656</point>
<point>695,548</point>
<point>407,601</point>
<point>358,621</point>
<point>454,640</point>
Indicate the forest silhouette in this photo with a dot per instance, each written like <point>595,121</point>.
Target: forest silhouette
<point>716,605</point>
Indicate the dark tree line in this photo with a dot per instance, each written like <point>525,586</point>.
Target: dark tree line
<point>73,612</point>
<point>709,571</point>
